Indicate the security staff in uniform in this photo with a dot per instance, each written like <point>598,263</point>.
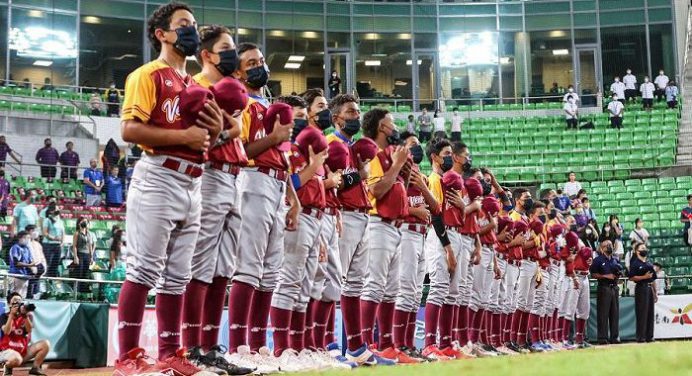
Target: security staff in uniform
<point>642,273</point>
<point>606,269</point>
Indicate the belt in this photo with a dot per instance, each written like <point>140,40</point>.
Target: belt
<point>606,283</point>
<point>313,212</point>
<point>225,167</point>
<point>358,210</point>
<point>276,174</point>
<point>500,255</point>
<point>394,222</point>
<point>555,262</point>
<point>455,228</point>
<point>190,169</point>
<point>582,273</point>
<point>514,262</point>
<point>417,227</point>
<point>331,211</point>
<point>530,259</point>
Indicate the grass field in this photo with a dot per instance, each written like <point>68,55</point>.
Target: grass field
<point>655,359</point>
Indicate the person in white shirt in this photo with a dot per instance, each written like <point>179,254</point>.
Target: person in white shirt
<point>618,88</point>
<point>615,109</point>
<point>672,95</point>
<point>639,234</point>
<point>411,125</point>
<point>571,113</point>
<point>572,187</point>
<point>457,120</point>
<point>661,281</point>
<point>647,89</point>
<point>661,82</point>
<point>570,91</point>
<point>439,125</point>
<point>630,82</point>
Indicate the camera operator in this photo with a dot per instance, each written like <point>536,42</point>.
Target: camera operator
<point>606,269</point>
<point>15,346</point>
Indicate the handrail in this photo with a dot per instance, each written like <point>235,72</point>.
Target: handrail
<point>441,103</point>
<point>687,47</point>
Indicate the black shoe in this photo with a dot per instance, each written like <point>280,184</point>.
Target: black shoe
<point>215,357</point>
<point>514,347</point>
<point>614,341</point>
<point>490,348</point>
<point>196,356</point>
<point>413,354</point>
<point>33,371</point>
<point>7,371</point>
<point>603,342</point>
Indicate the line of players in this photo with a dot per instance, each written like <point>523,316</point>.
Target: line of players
<point>297,221</point>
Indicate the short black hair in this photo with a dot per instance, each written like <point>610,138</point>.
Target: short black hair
<point>247,46</point>
<point>309,95</point>
<point>637,220</point>
<point>516,195</point>
<point>658,264</point>
<point>545,192</point>
<point>208,36</point>
<point>458,147</point>
<point>29,228</point>
<point>292,100</point>
<point>161,19</point>
<point>371,121</point>
<point>405,135</point>
<point>22,234</point>
<point>435,147</point>
<point>585,199</point>
<point>12,295</point>
<point>536,205</point>
<point>689,197</point>
<point>337,102</point>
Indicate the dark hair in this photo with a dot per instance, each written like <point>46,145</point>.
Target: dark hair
<point>569,96</point>
<point>435,147</point>
<point>405,135</point>
<point>29,228</point>
<point>545,192</point>
<point>371,121</point>
<point>516,195</point>
<point>658,264</point>
<point>47,139</point>
<point>116,241</point>
<point>292,100</point>
<point>208,36</point>
<point>472,171</point>
<point>309,95</point>
<point>22,234</point>
<point>636,221</point>
<point>458,147</point>
<point>247,46</point>
<point>12,295</point>
<point>581,191</point>
<point>536,205</point>
<point>80,220</point>
<point>161,19</point>
<point>337,102</point>
<point>411,117</point>
<point>689,197</point>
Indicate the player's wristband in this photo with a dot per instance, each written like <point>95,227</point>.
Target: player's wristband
<point>351,179</point>
<point>295,179</point>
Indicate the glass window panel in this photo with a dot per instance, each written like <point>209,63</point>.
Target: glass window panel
<point>391,10</point>
<point>547,7</point>
<point>547,22</point>
<point>112,9</point>
<point>511,23</point>
<point>308,7</point>
<point>620,4</point>
<point>295,60</point>
<point>110,49</point>
<point>453,10</point>
<point>3,42</point>
<point>54,43</point>
<point>337,9</point>
<point>660,15</point>
<point>244,34</point>
<point>658,3</point>
<point>363,23</point>
<point>584,19</point>
<point>512,65</point>
<point>662,50</point>
<point>339,23</point>
<point>425,41</point>
<point>469,66</point>
<point>622,18</point>
<point>278,6</point>
<point>551,61</point>
<point>54,5</point>
<point>338,40</point>
<point>584,5</point>
<point>468,24</point>
<point>424,10</point>
<point>585,36</point>
<point>621,48</point>
<point>381,66</point>
<point>425,24</point>
<point>249,19</point>
<point>250,4</point>
<point>510,9</point>
<point>362,9</point>
<point>292,21</point>
<point>217,16</point>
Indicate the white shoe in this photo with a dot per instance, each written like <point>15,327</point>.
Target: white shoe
<point>318,362</point>
<point>467,349</point>
<point>245,358</point>
<point>329,361</point>
<point>506,351</point>
<point>291,361</point>
<point>480,352</point>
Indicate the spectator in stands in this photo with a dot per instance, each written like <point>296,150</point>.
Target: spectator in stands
<point>439,125</point>
<point>26,84</point>
<point>21,262</point>
<point>630,82</point>
<point>572,187</point>
<point>587,208</point>
<point>25,213</point>
<point>5,193</point>
<point>69,160</point>
<point>577,200</point>
<point>53,235</point>
<point>111,155</point>
<point>411,124</point>
<point>6,149</point>
<point>95,104</point>
<point>686,218</point>
<point>113,98</point>
<point>457,121</point>
<point>47,85</point>
<point>570,92</point>
<point>93,183</point>
<point>116,249</point>
<point>39,259</point>
<point>661,82</point>
<point>16,349</point>
<point>672,95</point>
<point>615,109</point>
<point>571,113</point>
<point>642,273</point>
<point>618,88</point>
<point>554,90</point>
<point>424,126</point>
<point>83,245</point>
<point>47,157</point>
<point>114,189</point>
<point>639,234</point>
<point>562,201</point>
<point>647,89</point>
<point>662,282</point>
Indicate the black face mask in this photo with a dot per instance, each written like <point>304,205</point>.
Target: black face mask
<point>643,253</point>
<point>467,165</point>
<point>257,77</point>
<point>528,204</point>
<point>351,127</point>
<point>188,40</point>
<point>609,251</point>
<point>49,145</point>
<point>487,187</point>
<point>417,153</point>
<point>543,218</point>
<point>324,119</point>
<point>394,138</point>
<point>83,225</point>
<point>298,125</point>
<point>447,163</point>
<point>228,62</point>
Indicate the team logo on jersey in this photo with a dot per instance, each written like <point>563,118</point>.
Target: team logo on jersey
<point>123,324</point>
<point>415,201</point>
<point>261,133</point>
<point>171,108</point>
<point>168,83</point>
<point>166,334</point>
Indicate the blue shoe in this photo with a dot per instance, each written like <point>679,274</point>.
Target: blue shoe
<point>335,352</point>
<point>536,347</point>
<point>362,356</point>
<point>547,346</point>
<point>383,361</point>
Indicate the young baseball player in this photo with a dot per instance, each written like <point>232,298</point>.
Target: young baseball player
<point>265,215</point>
<point>570,286</point>
<point>578,296</point>
<point>389,176</point>
<point>421,203</point>
<point>163,207</point>
<point>556,240</point>
<point>539,285</point>
<point>498,290</point>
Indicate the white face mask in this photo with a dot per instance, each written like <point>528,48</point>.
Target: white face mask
<point>571,90</point>
<point>661,73</point>
<point>629,72</point>
<point>615,98</point>
<point>617,80</point>
<point>34,235</point>
<point>646,79</point>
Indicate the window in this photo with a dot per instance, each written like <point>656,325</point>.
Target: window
<point>383,66</point>
<point>3,42</point>
<point>296,61</point>
<point>550,66</point>
<point>469,66</point>
<point>621,48</point>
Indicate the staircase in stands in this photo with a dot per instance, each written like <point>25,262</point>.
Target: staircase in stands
<point>685,130</point>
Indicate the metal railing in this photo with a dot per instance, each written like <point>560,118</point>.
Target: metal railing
<point>481,104</point>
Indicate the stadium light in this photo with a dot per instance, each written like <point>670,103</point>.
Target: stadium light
<point>91,20</point>
<point>309,35</point>
<point>373,63</point>
<point>296,58</point>
<point>292,65</point>
<point>277,33</point>
<point>410,62</point>
<point>561,52</point>
<point>43,63</point>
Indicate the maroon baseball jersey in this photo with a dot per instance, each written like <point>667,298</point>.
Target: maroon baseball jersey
<point>312,193</point>
<point>354,197</point>
<point>415,198</point>
<point>253,130</point>
<point>490,237</point>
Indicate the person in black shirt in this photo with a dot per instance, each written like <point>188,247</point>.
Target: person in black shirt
<point>334,85</point>
<point>606,269</point>
<point>643,274</point>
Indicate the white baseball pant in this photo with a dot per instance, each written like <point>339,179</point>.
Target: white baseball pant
<point>412,244</point>
<point>526,285</point>
<point>261,246</point>
<point>579,299</point>
<point>498,288</point>
<point>483,275</point>
<point>353,251</point>
<point>444,287</point>
<point>327,284</point>
<point>541,293</point>
<point>511,281</point>
<point>163,220</point>
<point>554,288</point>
<point>384,257</point>
<point>468,245</point>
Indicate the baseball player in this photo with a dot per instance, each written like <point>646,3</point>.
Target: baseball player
<point>421,203</point>
<point>163,207</point>
<point>212,262</point>
<point>389,176</point>
<point>498,289</point>
<point>556,239</point>
<point>265,215</point>
<point>540,283</point>
<point>568,253</point>
<point>578,296</point>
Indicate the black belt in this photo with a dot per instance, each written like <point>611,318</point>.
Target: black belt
<point>358,210</point>
<point>580,272</point>
<point>606,283</point>
<point>394,222</point>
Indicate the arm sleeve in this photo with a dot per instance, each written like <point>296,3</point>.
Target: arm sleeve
<point>140,96</point>
<point>351,179</point>
<point>440,230</point>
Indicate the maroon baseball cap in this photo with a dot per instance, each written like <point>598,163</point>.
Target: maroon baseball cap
<point>555,230</point>
<point>473,188</point>
<point>490,205</point>
<point>586,252</point>
<point>521,226</point>
<point>572,239</point>
<point>504,222</point>
<point>537,226</point>
<point>452,180</point>
<point>338,156</point>
<point>231,95</point>
<point>311,136</point>
<point>192,101</point>
<point>365,148</point>
<point>284,113</point>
